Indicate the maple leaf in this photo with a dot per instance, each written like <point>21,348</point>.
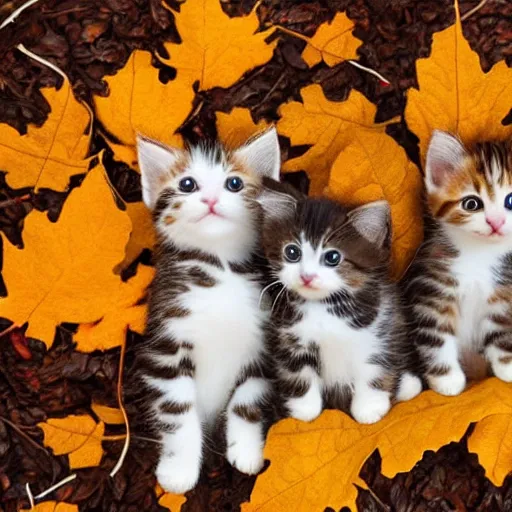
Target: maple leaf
<point>64,273</point>
<point>455,95</point>
<point>79,437</point>
<point>53,506</point>
<point>109,415</point>
<point>315,465</point>
<point>237,127</point>
<point>48,156</point>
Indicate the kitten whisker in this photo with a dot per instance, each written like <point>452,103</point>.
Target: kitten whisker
<point>265,289</point>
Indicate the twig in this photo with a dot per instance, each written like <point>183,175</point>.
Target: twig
<point>42,61</point>
<point>385,81</point>
<point>472,11</point>
<point>22,434</point>
<point>16,13</point>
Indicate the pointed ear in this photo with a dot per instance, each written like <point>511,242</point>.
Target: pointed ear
<point>276,205</point>
<point>155,162</point>
<point>445,154</point>
<point>262,154</point>
<point>373,222</point>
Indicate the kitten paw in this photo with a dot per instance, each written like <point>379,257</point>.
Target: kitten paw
<point>409,386</point>
<point>247,457</point>
<point>177,475</point>
<point>502,370</point>
<point>451,384</point>
<point>370,408</point>
<point>305,408</point>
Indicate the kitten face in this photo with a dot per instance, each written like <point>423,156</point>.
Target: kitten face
<point>470,190</point>
<point>317,248</point>
<point>204,197</point>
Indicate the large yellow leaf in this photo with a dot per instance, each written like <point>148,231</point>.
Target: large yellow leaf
<point>333,42</point>
<point>455,95</point>
<point>122,311</point>
<point>53,506</point>
<point>492,441</point>
<point>77,436</point>
<point>315,465</point>
<point>236,127</point>
<point>48,156</point>
<point>64,273</point>
<point>328,126</point>
<point>217,50</point>
<point>373,166</point>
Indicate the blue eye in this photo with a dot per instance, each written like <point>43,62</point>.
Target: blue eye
<point>508,202</point>
<point>234,184</point>
<point>292,253</point>
<point>187,185</point>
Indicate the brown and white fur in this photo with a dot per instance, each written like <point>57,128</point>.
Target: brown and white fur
<point>341,338</point>
<point>460,285</point>
<point>205,352</point>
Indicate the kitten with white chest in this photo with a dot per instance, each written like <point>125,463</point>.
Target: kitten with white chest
<point>340,335</point>
<point>460,285</point>
<point>204,359</point>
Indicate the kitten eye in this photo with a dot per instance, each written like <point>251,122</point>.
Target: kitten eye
<point>187,185</point>
<point>332,258</point>
<point>472,204</point>
<point>234,184</point>
<point>508,202</point>
<point>292,253</point>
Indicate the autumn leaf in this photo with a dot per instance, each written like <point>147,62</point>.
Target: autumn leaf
<point>237,127</point>
<point>53,506</point>
<point>372,167</point>
<point>65,272</point>
<point>319,462</point>
<point>122,311</point>
<point>77,436</point>
<point>171,501</point>
<point>333,42</point>
<point>48,156</point>
<point>109,415</point>
<point>455,95</point>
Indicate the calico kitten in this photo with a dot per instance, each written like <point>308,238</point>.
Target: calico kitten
<point>204,356</point>
<point>460,285</point>
<point>340,331</point>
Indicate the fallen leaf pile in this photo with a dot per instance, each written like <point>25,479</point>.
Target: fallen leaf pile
<point>77,240</point>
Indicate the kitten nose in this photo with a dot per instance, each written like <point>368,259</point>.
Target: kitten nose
<point>495,222</point>
<point>307,278</point>
<point>210,202</point>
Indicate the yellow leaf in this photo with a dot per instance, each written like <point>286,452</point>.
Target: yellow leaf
<point>492,441</point>
<point>64,273</point>
<point>53,506</point>
<point>109,415</point>
<point>314,465</point>
<point>373,166</point>
<point>48,156</point>
<point>120,312</point>
<point>77,436</point>
<point>216,49</point>
<point>333,42</point>
<point>455,95</point>
<point>236,127</point>
<point>171,501</point>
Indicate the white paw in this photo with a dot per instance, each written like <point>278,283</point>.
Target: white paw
<point>451,384</point>
<point>370,407</point>
<point>305,408</point>
<point>502,370</point>
<point>178,474</point>
<point>247,457</point>
<point>409,386</point>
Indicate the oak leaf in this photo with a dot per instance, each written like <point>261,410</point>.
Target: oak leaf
<point>79,437</point>
<point>456,95</point>
<point>64,273</point>
<point>109,415</point>
<point>315,465</point>
<point>48,156</point>
<point>53,506</point>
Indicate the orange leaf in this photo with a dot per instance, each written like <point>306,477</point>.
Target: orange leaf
<point>53,506</point>
<point>236,127</point>
<point>171,501</point>
<point>109,415</point>
<point>455,95</point>
<point>333,42</point>
<point>50,155</point>
<point>64,273</point>
<point>77,436</point>
<point>314,465</point>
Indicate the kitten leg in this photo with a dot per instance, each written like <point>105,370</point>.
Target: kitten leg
<point>244,428</point>
<point>409,386</point>
<point>308,404</point>
<point>499,354</point>
<point>182,438</point>
<point>371,400</point>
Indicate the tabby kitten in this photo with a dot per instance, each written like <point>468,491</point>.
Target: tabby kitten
<point>340,332</point>
<point>205,349</point>
<point>460,285</point>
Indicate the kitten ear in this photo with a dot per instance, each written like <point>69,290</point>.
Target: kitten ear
<point>373,222</point>
<point>276,205</point>
<point>445,154</point>
<point>262,154</point>
<point>155,163</point>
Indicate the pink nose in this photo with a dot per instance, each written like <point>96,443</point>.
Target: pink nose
<point>210,202</point>
<point>307,279</point>
<point>495,222</point>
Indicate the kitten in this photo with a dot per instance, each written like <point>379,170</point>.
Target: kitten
<point>204,356</point>
<point>340,332</point>
<point>460,285</point>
